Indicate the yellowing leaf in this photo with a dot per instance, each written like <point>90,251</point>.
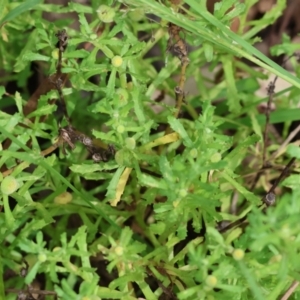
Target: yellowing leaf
<point>121,186</point>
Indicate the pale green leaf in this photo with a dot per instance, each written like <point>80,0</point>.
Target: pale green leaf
<point>27,5</point>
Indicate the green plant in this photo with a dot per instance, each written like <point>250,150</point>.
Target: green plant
<point>109,194</point>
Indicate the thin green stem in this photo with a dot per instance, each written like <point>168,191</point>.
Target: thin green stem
<point>2,288</point>
<point>8,214</point>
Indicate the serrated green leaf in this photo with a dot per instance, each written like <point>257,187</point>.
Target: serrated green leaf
<point>293,151</point>
<point>85,168</point>
<point>233,100</point>
<point>68,292</point>
<point>138,108</point>
<point>216,235</point>
<point>19,104</point>
<point>40,46</point>
<point>29,157</point>
<point>158,228</point>
<point>125,236</point>
<point>42,111</point>
<point>238,150</point>
<point>256,127</point>
<point>150,181</point>
<point>32,273</point>
<point>30,56</point>
<point>237,10</point>
<point>80,8</point>
<point>247,194</point>
<point>177,127</point>
<point>113,42</point>
<point>162,208</point>
<point>85,28</point>
<point>220,8</point>
<point>182,231</point>
<point>165,169</point>
<point>20,63</point>
<point>30,177</point>
<point>233,235</point>
<point>110,88</point>
<point>123,280</point>
<point>77,54</point>
<point>162,75</point>
<point>124,49</point>
<point>107,293</point>
<point>89,287</point>
<point>112,187</point>
<point>293,182</point>
<point>39,239</point>
<point>269,17</point>
<point>136,48</point>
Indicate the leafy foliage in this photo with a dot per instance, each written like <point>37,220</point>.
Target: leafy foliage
<point>150,221</point>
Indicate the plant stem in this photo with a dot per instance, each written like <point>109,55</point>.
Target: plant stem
<point>8,214</point>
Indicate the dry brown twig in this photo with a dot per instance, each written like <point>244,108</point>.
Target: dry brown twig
<point>29,292</point>
<point>269,198</point>
<point>47,84</point>
<point>62,45</point>
<point>290,290</point>
<point>61,103</point>
<point>177,45</point>
<point>285,143</point>
<point>68,135</point>
<point>271,91</point>
<point>265,162</point>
